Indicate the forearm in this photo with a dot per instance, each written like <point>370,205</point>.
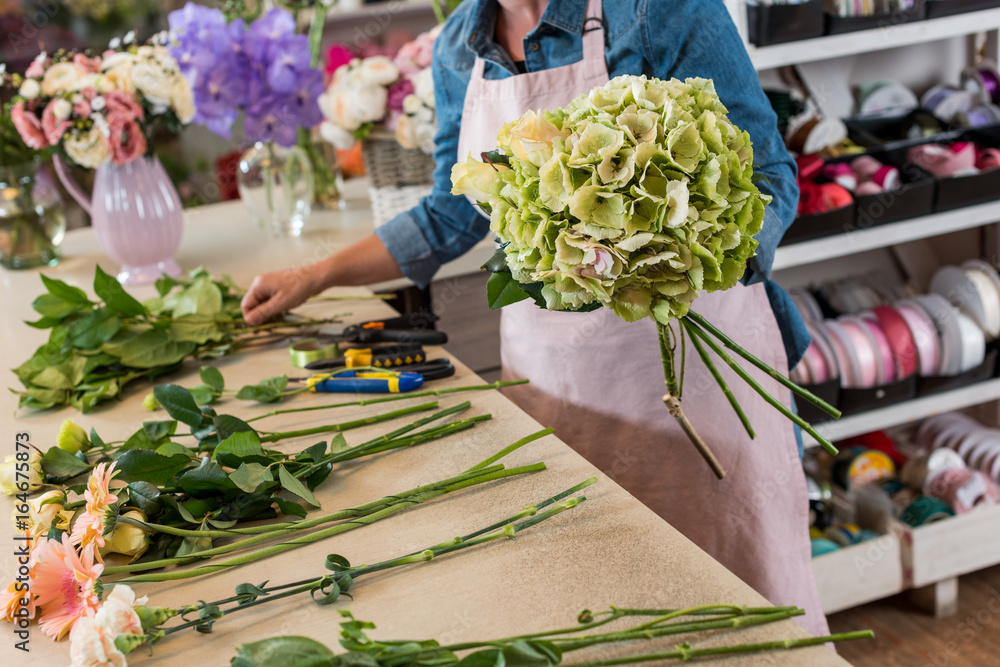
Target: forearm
<point>363,263</point>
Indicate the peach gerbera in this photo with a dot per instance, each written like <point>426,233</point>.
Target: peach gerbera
<point>65,584</point>
<point>89,528</point>
<point>18,601</point>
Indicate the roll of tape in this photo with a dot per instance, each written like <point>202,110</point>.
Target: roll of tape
<point>963,489</point>
<point>919,469</point>
<point>925,510</point>
<point>844,534</point>
<point>855,466</point>
<point>310,350</point>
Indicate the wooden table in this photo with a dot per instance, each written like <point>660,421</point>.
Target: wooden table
<point>611,550</point>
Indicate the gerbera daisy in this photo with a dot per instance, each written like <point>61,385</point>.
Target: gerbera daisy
<point>65,584</point>
<point>89,528</point>
<point>13,599</point>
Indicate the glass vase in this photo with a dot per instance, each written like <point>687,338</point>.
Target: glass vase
<point>32,222</point>
<point>276,184</point>
<point>329,181</point>
<point>137,217</point>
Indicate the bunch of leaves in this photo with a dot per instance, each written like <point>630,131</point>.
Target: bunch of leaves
<point>97,347</point>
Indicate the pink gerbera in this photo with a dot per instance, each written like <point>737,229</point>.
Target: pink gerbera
<point>18,601</point>
<point>65,584</point>
<point>89,528</point>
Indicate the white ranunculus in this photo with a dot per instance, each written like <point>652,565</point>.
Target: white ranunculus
<point>412,104</point>
<point>62,108</point>
<point>118,68</point>
<point>60,78</point>
<point>30,89</point>
<point>368,104</point>
<point>153,82</point>
<point>378,70</point>
<point>30,472</point>
<point>423,86</point>
<point>182,99</point>
<point>341,138</point>
<point>88,149</point>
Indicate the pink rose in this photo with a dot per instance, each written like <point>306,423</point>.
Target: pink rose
<point>53,127</point>
<point>28,126</point>
<point>121,103</point>
<point>127,142</point>
<point>36,70</point>
<point>89,65</point>
<point>82,109</point>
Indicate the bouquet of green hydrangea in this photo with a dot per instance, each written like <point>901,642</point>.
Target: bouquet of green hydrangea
<point>638,197</point>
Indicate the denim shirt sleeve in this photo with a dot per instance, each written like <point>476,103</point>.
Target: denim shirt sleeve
<point>442,226</point>
<point>706,44</point>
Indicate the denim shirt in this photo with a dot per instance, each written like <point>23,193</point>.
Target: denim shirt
<point>658,38</point>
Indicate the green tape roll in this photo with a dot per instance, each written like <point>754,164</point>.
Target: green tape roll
<point>310,350</point>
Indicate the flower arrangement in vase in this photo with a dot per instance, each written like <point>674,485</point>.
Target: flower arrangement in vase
<point>100,112</point>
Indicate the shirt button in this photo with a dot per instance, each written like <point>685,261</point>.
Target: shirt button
<point>535,46</point>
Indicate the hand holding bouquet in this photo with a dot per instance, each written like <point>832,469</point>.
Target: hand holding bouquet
<point>638,197</point>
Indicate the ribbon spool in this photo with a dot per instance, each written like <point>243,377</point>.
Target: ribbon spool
<point>886,98</point>
<point>987,283</point>
<point>983,80</point>
<point>310,350</point>
<point>963,489</point>
<point>844,534</point>
<point>815,134</point>
<point>946,101</point>
<point>822,546</point>
<point>864,349</point>
<point>925,336</point>
<point>920,469</point>
<point>925,510</point>
<point>856,466</point>
<point>900,339</point>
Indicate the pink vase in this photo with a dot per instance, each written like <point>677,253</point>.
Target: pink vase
<point>137,217</point>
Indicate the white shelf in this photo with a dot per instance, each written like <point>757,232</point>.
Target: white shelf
<point>890,37</point>
<point>853,242</point>
<point>908,411</point>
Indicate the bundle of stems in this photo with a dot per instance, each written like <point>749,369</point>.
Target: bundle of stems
<point>703,333</point>
<point>345,520</point>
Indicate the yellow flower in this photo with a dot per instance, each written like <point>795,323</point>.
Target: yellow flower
<point>28,466</point>
<point>475,179</point>
<point>72,438</point>
<point>529,135</point>
<point>127,539</point>
<point>44,512</point>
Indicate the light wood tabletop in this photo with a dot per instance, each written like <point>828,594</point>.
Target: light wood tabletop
<point>611,550</point>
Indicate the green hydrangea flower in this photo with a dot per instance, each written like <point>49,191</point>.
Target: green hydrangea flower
<point>637,196</point>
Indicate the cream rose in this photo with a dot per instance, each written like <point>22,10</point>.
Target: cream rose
<point>30,89</point>
<point>32,467</point>
<point>153,82</point>
<point>126,538</point>
<point>93,645</point>
<point>378,71</point>
<point>368,103</point>
<point>118,69</point>
<point>182,99</point>
<point>61,78</point>
<point>43,511</point>
<point>338,136</point>
<point>88,149</point>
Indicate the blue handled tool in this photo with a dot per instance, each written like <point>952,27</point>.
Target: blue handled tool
<point>365,382</point>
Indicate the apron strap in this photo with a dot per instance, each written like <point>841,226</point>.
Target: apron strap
<point>593,32</point>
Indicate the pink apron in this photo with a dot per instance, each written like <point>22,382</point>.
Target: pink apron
<point>598,380</point>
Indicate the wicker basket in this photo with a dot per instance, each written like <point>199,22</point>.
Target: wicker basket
<point>400,177</point>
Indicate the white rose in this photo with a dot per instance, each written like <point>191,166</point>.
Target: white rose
<point>9,479</point>
<point>88,149</point>
<point>423,86</point>
<point>92,645</point>
<point>93,80</point>
<point>182,99</point>
<point>30,89</point>
<point>60,78</point>
<point>150,80</point>
<point>118,69</point>
<point>101,123</point>
<point>341,138</point>
<point>368,104</point>
<point>343,113</point>
<point>425,115</point>
<point>379,70</point>
<point>62,108</point>
<point>412,104</point>
<point>97,103</point>
<point>406,132</point>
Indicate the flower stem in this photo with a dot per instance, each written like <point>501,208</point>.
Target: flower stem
<point>511,448</point>
<point>728,342</point>
<point>778,405</point>
<point>389,399</point>
<point>722,384</point>
<point>345,426</point>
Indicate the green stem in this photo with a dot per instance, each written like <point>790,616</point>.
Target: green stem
<point>346,426</point>
<point>775,375</point>
<point>389,399</point>
<point>511,448</point>
<point>722,384</point>
<point>667,357</point>
<point>686,654</point>
<point>775,403</point>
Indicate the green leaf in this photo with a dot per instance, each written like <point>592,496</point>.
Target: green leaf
<point>196,329</point>
<point>146,497</point>
<point>114,296</point>
<point>249,476</point>
<point>207,479</point>
<point>336,563</point>
<point>96,440</point>
<point>158,430</point>
<point>59,463</point>
<point>212,377</point>
<point>164,284</point>
<point>316,478</point>
<point>523,653</point>
<point>44,323</point>
<point>192,545</point>
<point>288,507</point>
<point>226,425</point>
<point>266,391</point>
<point>248,506</point>
<point>313,453</point>
<point>61,290</point>
<point>292,485</point>
<point>502,290</point>
<point>54,308</point>
<point>338,443</point>
<point>170,448</point>
<point>203,395</point>
<point>179,404</point>
<point>94,329</point>
<point>492,657</point>
<point>285,652</point>
<point>138,440</point>
<point>241,447</point>
<point>143,465</point>
<point>202,297</point>
<point>148,349</point>
<point>249,592</point>
<point>498,262</point>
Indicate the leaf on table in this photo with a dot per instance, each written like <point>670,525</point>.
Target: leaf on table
<point>143,465</point>
<point>268,390</point>
<point>198,329</point>
<point>290,508</point>
<point>149,349</point>
<point>241,447</point>
<point>290,652</point>
<point>226,425</point>
<point>294,486</point>
<point>94,329</point>
<point>313,453</point>
<point>246,506</point>
<point>159,430</point>
<point>203,395</point>
<point>54,377</point>
<point>114,296</point>
<point>60,463</point>
<point>193,545</point>
<point>212,377</point>
<point>169,448</point>
<point>338,444</point>
<point>146,497</point>
<point>249,476</point>
<point>179,404</point>
<point>138,440</point>
<point>61,290</point>
<point>201,297</point>
<point>207,479</point>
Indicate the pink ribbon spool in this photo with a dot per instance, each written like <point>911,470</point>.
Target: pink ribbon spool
<point>925,336</point>
<point>963,489</point>
<point>887,178</point>
<point>901,343</point>
<point>868,358</point>
<point>884,349</point>
<point>988,159</point>
<point>865,166</point>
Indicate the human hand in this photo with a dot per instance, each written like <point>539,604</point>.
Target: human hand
<point>271,294</point>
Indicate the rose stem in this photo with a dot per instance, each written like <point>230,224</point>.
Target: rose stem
<point>728,342</point>
<point>345,426</point>
<point>389,399</point>
<point>722,384</point>
<point>674,405</point>
<point>778,405</point>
